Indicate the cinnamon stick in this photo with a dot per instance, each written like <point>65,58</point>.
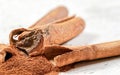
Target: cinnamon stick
<point>54,33</point>
<point>90,52</point>
<point>55,14</point>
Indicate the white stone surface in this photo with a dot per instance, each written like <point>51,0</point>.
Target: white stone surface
<point>102,24</point>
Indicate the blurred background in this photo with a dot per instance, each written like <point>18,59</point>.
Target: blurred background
<point>102,19</point>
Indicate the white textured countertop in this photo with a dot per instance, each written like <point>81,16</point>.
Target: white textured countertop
<point>102,24</point>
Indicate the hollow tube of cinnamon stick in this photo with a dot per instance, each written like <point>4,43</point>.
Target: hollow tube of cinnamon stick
<point>90,52</point>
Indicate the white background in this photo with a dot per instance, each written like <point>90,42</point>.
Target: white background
<point>102,19</point>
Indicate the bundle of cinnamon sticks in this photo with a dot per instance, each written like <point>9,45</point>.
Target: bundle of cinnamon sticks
<point>37,50</point>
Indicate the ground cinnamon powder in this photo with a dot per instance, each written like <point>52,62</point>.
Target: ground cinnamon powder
<point>21,65</point>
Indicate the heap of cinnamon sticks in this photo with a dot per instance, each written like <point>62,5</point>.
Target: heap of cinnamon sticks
<point>37,50</point>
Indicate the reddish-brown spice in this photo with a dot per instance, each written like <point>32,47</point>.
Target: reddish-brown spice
<point>20,65</point>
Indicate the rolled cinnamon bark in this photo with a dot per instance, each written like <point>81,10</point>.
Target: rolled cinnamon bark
<point>55,14</point>
<point>54,33</point>
<point>2,52</point>
<point>90,52</point>
<point>7,52</point>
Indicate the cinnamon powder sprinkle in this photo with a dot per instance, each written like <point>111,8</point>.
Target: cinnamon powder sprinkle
<point>21,65</point>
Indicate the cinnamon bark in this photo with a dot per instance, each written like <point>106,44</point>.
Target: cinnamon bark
<point>7,52</point>
<point>50,51</point>
<point>55,14</point>
<point>2,52</point>
<point>54,33</point>
<point>90,52</point>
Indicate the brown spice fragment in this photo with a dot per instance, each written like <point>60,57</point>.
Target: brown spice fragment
<point>2,53</point>
<point>6,52</point>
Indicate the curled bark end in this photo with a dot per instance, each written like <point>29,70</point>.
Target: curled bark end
<point>2,56</point>
<point>5,53</point>
<point>13,33</point>
<point>27,40</point>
